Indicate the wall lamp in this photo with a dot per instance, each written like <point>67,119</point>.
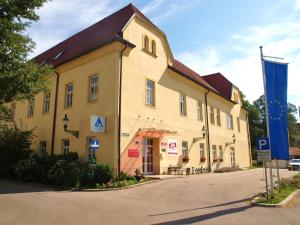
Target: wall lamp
<point>203,135</point>
<point>231,143</point>
<point>66,120</point>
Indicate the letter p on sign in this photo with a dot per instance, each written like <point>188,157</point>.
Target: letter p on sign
<point>262,143</point>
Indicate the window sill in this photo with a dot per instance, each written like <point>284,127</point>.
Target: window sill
<point>149,53</point>
<point>151,106</point>
<point>92,102</point>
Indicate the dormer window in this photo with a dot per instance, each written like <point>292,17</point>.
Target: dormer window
<point>153,47</point>
<point>146,43</point>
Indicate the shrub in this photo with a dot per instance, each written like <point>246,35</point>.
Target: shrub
<point>30,170</point>
<point>124,176</point>
<point>15,145</point>
<point>63,174</point>
<point>71,156</point>
<point>86,174</point>
<point>103,173</point>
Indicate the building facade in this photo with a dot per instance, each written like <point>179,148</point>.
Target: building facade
<point>118,82</point>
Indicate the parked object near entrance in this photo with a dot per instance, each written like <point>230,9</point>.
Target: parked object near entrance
<point>294,164</point>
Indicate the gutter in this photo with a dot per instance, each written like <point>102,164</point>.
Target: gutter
<point>120,107</point>
<point>207,133</point>
<point>249,140</point>
<point>54,115</point>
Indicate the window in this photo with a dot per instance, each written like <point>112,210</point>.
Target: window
<point>229,121</point>
<point>238,124</point>
<point>212,115</point>
<point>218,117</point>
<point>65,146</point>
<point>93,88</point>
<point>43,149</point>
<point>46,106</point>
<point>236,97</point>
<point>182,105</point>
<point>199,110</point>
<point>150,93</point>
<point>153,47</point>
<point>221,152</point>
<point>184,149</point>
<point>146,43</point>
<point>202,152</point>
<point>13,110</point>
<point>69,95</point>
<point>30,108</point>
<point>232,156</point>
<point>91,153</point>
<point>214,152</point>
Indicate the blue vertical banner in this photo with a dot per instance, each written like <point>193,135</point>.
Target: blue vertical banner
<point>276,98</point>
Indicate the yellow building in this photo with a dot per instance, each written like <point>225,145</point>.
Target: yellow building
<point>118,82</point>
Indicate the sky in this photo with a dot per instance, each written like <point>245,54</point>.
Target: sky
<point>207,35</point>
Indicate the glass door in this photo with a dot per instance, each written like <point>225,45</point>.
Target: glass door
<point>148,156</point>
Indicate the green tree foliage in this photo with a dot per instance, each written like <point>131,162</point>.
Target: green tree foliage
<point>19,78</point>
<point>257,120</point>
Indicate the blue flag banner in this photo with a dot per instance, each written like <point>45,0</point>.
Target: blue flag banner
<point>276,95</point>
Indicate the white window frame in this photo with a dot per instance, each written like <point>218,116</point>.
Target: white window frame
<point>214,152</point>
<point>218,115</point>
<point>202,150</point>
<point>184,147</point>
<point>69,95</point>
<point>90,153</point>
<point>150,92</point>
<point>182,103</point>
<point>199,110</point>
<point>93,88</point>
<point>221,153</point>
<point>212,115</point>
<point>46,105</point>
<point>229,120</point>
<point>65,146</point>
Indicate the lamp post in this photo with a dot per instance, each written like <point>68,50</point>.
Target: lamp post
<point>65,121</point>
<point>230,143</point>
<point>199,138</point>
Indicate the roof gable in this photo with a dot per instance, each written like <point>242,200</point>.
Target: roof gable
<point>221,83</point>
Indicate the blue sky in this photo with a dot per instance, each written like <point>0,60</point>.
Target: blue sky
<point>207,35</point>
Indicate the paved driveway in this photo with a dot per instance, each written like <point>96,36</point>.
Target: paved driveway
<point>198,199</point>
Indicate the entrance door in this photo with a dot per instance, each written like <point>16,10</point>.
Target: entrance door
<point>232,156</point>
<point>148,156</point>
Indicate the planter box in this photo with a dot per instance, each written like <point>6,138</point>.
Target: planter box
<point>202,159</point>
<point>185,160</point>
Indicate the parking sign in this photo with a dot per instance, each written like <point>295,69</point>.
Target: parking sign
<point>262,143</point>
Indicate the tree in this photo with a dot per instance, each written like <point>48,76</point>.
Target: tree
<point>20,78</point>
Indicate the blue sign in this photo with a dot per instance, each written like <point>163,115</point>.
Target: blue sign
<point>262,144</point>
<point>276,75</point>
<point>94,144</point>
<point>97,124</point>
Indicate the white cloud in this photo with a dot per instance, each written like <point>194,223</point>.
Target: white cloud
<point>152,6</point>
<point>297,5</point>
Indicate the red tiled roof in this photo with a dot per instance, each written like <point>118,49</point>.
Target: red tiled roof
<point>294,151</point>
<point>101,33</point>
<point>190,74</point>
<point>219,82</point>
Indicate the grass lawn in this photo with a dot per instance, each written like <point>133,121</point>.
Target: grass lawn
<point>287,187</point>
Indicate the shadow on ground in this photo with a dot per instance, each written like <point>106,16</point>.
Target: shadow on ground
<point>11,187</point>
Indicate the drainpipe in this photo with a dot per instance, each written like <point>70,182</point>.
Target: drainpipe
<point>120,104</point>
<point>249,140</point>
<point>207,134</point>
<point>54,115</point>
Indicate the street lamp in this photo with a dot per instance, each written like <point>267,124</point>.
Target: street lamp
<point>203,135</point>
<point>230,143</point>
<point>65,121</point>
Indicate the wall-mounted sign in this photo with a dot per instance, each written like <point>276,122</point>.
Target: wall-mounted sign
<point>97,124</point>
<point>163,144</point>
<point>125,134</point>
<point>133,153</point>
<point>94,144</point>
<point>172,147</point>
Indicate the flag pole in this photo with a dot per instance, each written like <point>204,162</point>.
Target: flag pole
<point>267,114</point>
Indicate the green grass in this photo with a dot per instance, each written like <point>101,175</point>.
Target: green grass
<point>287,187</point>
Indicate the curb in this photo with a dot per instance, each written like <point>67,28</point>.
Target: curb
<point>281,204</point>
<point>113,189</point>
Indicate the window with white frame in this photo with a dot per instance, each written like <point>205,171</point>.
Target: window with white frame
<point>202,151</point>
<point>150,92</point>
<point>218,117</point>
<point>93,88</point>
<point>212,115</point>
<point>214,152</point>
<point>43,149</point>
<point>184,149</point>
<point>65,146</point>
<point>199,110</point>
<point>30,108</point>
<point>221,152</point>
<point>46,105</point>
<point>238,124</point>
<point>153,47</point>
<point>229,120</point>
<point>69,95</point>
<point>91,153</point>
<point>182,105</point>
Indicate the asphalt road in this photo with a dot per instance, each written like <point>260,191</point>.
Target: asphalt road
<point>199,199</point>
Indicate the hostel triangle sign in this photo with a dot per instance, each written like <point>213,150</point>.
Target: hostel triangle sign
<point>97,124</point>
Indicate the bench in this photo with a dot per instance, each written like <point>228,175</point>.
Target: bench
<point>176,169</point>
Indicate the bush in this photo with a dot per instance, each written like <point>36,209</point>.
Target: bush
<point>86,174</point>
<point>63,174</point>
<point>103,173</point>
<point>15,145</point>
<point>30,170</point>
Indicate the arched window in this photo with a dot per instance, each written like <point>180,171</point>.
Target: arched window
<point>146,43</point>
<point>153,47</point>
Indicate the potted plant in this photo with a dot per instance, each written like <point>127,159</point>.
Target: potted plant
<point>202,159</point>
<point>215,160</point>
<point>138,175</point>
<point>185,159</point>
